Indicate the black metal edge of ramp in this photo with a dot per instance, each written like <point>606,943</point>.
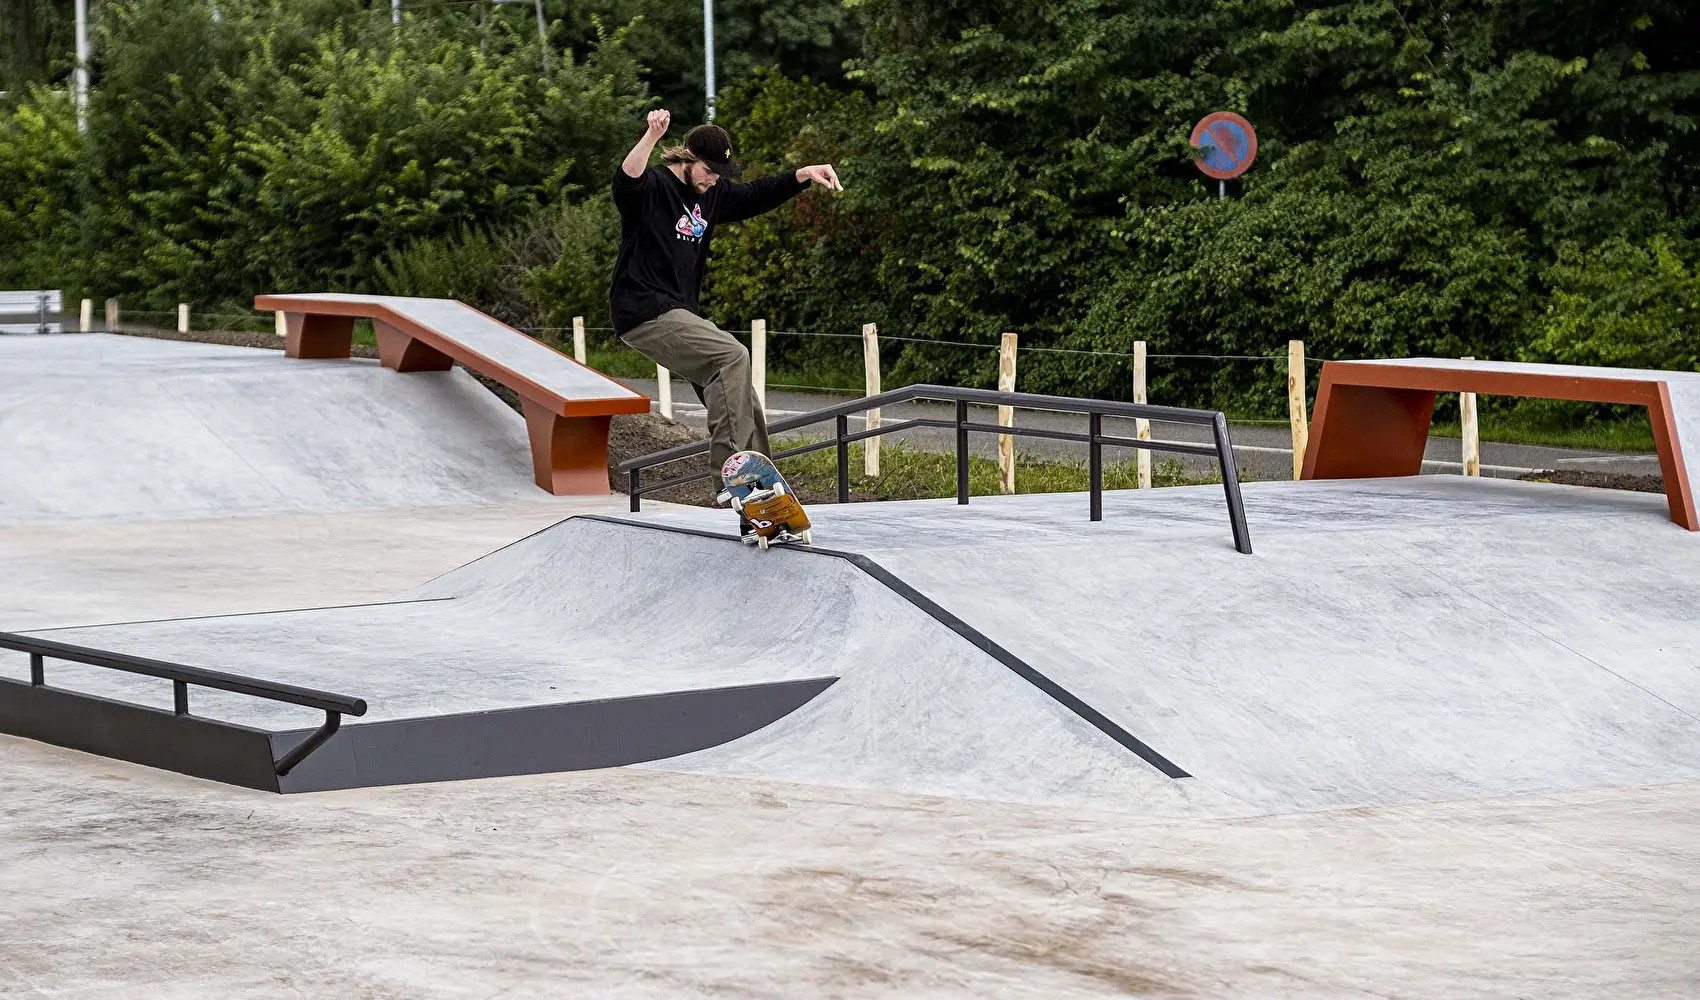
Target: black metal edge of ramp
<point>570,736</point>
<point>1026,671</point>
<point>152,737</point>
<point>539,739</point>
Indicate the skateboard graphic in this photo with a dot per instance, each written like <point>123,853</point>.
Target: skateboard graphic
<point>768,512</point>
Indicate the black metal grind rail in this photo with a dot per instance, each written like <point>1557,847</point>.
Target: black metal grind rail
<point>1095,410</point>
<point>335,706</point>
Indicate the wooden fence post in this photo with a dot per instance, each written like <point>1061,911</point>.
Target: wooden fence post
<point>1469,432</point>
<point>1296,404</point>
<point>1142,427</point>
<point>758,360</point>
<point>1006,414</point>
<point>580,351</point>
<point>85,320</point>
<point>664,391</point>
<point>182,317</point>
<point>871,366</point>
<point>111,315</point>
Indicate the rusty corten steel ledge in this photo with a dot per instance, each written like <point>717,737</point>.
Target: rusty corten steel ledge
<point>567,405</point>
<point>1372,417</point>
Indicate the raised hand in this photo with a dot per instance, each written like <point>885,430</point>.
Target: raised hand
<point>659,119</point>
<point>822,174</point>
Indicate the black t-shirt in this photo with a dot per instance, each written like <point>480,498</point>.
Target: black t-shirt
<point>665,228</point>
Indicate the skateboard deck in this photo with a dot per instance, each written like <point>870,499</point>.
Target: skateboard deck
<point>764,501</point>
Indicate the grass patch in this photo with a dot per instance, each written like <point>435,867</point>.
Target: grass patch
<point>910,474</point>
<point>1632,434</point>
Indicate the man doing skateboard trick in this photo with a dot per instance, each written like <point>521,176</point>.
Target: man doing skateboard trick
<point>668,214</point>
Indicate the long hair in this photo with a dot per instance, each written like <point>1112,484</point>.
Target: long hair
<point>679,154</point>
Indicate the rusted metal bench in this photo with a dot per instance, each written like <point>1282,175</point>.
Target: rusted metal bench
<point>567,406</point>
<point>1372,417</point>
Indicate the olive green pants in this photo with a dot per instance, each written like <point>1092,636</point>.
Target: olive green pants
<point>718,368</point>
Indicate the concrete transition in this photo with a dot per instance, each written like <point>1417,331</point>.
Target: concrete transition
<point>99,426</point>
<point>1391,641</point>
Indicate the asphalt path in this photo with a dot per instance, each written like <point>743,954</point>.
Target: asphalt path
<point>1262,450</point>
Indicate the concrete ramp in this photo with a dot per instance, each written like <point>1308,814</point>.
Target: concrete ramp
<point>1390,641</point>
<point>589,611</point>
<point>98,426</point>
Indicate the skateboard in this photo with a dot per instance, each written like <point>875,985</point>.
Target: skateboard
<point>768,512</point>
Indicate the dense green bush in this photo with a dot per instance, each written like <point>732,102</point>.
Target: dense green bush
<point>295,145</point>
<point>1421,170</point>
<point>1503,178</point>
<point>40,192</point>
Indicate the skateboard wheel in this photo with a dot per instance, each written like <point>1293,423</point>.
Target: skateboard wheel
<point>807,537</point>
<point>762,542</point>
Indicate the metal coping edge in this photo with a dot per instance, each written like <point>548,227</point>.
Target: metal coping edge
<point>984,643</point>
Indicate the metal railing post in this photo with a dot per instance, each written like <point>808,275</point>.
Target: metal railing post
<point>842,425</point>
<point>1231,485</point>
<point>38,671</point>
<point>961,451</point>
<point>637,501</point>
<point>180,697</point>
<point>333,722</point>
<point>1095,463</point>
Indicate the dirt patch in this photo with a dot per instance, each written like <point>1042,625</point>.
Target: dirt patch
<point>1599,480</point>
<point>230,338</point>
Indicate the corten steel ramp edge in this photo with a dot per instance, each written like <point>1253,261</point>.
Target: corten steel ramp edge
<point>572,736</point>
<point>1372,417</point>
<point>567,428</point>
<point>1026,671</point>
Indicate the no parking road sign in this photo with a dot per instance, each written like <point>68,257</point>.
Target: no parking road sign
<point>1228,144</point>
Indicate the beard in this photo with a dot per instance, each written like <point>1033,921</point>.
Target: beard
<point>701,178</point>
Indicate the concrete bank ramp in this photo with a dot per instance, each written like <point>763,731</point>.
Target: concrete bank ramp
<point>916,708</point>
<point>99,426</point>
<point>590,610</point>
<point>1390,641</point>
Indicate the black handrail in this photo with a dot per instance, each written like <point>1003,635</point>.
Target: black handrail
<point>1095,410</point>
<point>335,706</point>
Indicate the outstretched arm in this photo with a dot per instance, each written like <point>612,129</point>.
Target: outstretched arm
<point>745,201</point>
<point>638,159</point>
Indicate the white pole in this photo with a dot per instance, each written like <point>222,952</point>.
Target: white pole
<point>395,11</point>
<point>1296,417</point>
<point>542,35</point>
<point>86,320</point>
<point>280,323</point>
<point>664,390</point>
<point>182,317</point>
<point>1006,414</point>
<point>758,360</point>
<point>708,53</point>
<point>579,350</point>
<point>1469,431</point>
<point>1141,426</point>
<point>82,79</point>
<point>871,371</point>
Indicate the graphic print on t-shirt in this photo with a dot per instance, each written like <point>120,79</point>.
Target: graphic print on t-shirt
<point>692,226</point>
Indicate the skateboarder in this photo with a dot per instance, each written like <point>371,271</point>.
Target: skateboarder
<point>668,214</point>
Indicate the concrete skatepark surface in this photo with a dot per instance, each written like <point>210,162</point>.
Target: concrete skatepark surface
<point>1389,641</point>
<point>1499,678</point>
<point>101,426</point>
